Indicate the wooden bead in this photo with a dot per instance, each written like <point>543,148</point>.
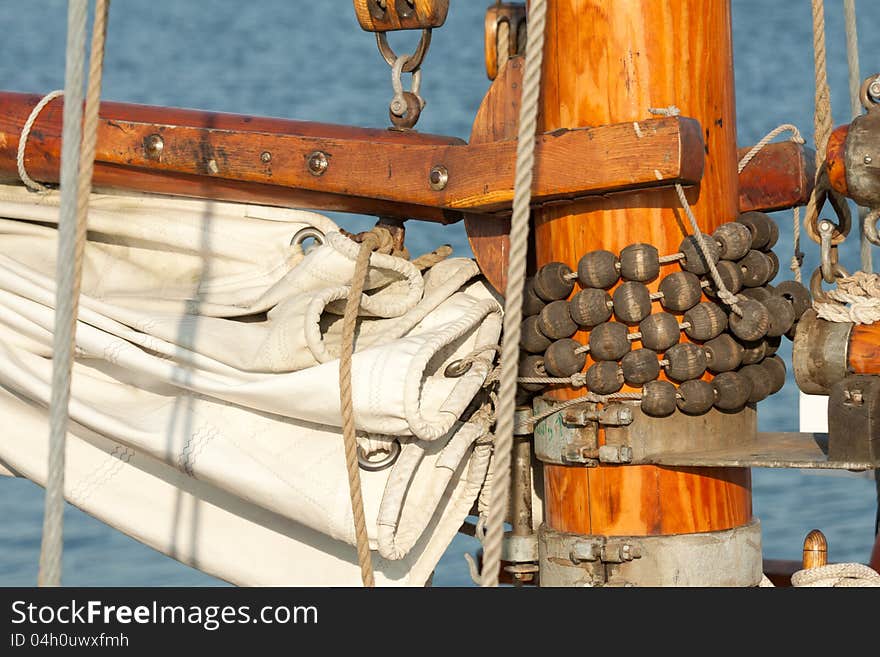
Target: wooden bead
<point>681,291</point>
<point>532,303</point>
<point>598,269</point>
<point>723,354</point>
<point>731,391</point>
<point>551,282</point>
<point>632,302</point>
<point>774,369</point>
<point>759,382</point>
<point>562,358</point>
<point>555,321</point>
<point>734,240</point>
<point>774,235</point>
<point>590,307</point>
<point>604,378</point>
<point>753,323</point>
<point>695,397</point>
<point>781,315</point>
<point>760,226</point>
<point>640,366</point>
<point>694,256</point>
<point>774,264</point>
<point>660,331</point>
<point>639,262</point>
<point>797,294</point>
<point>609,341</point>
<point>532,367</point>
<point>756,269</point>
<point>772,343</point>
<point>754,351</point>
<point>531,338</point>
<point>707,320</point>
<point>731,276</point>
<point>658,399</point>
<point>686,361</point>
<point>757,293</point>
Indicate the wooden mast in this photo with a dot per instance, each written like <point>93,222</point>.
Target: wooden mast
<point>609,61</point>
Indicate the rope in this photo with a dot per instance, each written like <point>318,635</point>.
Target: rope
<point>837,575</point>
<point>721,289</point>
<point>428,260</point>
<point>502,45</point>
<point>349,323</point>
<point>77,162</point>
<point>797,257</point>
<point>519,243</point>
<point>856,299</point>
<point>822,118</point>
<point>589,398</point>
<point>29,182</point>
<point>855,83</point>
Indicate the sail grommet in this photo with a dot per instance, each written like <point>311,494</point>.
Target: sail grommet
<point>366,463</point>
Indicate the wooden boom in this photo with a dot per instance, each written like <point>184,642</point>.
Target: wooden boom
<point>382,172</point>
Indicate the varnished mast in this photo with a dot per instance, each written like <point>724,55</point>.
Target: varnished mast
<point>606,62</point>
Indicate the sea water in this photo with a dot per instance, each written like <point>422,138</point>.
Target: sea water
<point>309,60</point>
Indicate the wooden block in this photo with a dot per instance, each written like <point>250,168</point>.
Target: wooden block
<point>780,176</point>
<point>389,15</point>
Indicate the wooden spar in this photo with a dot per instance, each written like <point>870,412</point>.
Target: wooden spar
<point>780,176</point>
<point>606,62</point>
<point>383,172</point>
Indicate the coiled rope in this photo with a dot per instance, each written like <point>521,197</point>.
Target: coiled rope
<point>519,242</point>
<point>77,163</point>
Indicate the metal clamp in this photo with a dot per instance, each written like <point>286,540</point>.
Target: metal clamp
<point>406,106</point>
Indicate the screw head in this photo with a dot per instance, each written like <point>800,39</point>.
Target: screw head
<point>153,146</point>
<point>868,159</point>
<point>318,163</point>
<point>874,88</point>
<point>438,178</point>
<point>265,157</point>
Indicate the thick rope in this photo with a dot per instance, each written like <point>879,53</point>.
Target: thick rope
<point>519,244</point>
<point>797,258</point>
<point>29,182</point>
<point>369,244</point>
<point>856,299</point>
<point>502,45</point>
<point>855,83</point>
<point>822,119</point>
<point>428,260</point>
<point>77,161</point>
<point>837,575</point>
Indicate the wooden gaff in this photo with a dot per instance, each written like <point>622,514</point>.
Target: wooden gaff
<point>608,61</point>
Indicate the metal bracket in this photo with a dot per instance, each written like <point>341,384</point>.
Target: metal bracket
<point>854,419</point>
<point>724,558</point>
<point>571,436</point>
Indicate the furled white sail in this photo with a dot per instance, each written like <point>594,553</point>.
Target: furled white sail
<point>204,412</point>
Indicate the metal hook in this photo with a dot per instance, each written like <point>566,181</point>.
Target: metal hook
<point>415,60</point>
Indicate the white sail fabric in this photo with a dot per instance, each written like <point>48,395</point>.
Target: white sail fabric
<point>205,416</point>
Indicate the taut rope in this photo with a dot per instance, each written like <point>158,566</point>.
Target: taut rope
<point>519,243</point>
<point>77,163</point>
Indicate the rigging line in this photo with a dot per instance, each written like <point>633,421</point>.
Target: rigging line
<point>519,243</point>
<point>77,164</point>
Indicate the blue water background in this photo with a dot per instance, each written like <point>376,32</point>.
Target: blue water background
<point>309,60</point>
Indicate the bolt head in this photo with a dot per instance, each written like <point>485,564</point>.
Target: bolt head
<point>265,157</point>
<point>874,88</point>
<point>153,146</point>
<point>868,159</point>
<point>438,178</point>
<point>318,163</point>
<point>825,226</point>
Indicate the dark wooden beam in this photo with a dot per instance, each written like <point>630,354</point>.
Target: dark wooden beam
<point>780,176</point>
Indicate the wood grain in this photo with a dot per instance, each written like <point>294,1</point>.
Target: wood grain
<point>864,349</point>
<point>609,62</point>
<point>388,167</point>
